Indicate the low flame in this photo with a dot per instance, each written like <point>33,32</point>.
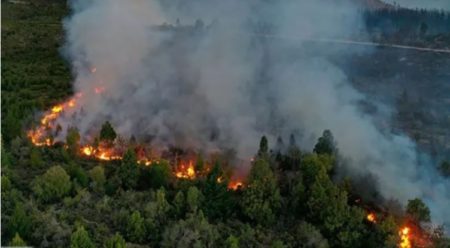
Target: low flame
<point>372,217</point>
<point>186,171</point>
<point>101,153</point>
<point>405,241</point>
<point>42,136</point>
<point>235,185</point>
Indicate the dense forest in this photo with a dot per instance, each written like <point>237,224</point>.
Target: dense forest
<point>55,197</point>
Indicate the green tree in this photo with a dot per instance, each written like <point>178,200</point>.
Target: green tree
<point>328,208</point>
<point>128,171</point>
<point>278,244</point>
<point>98,178</point>
<point>53,185</point>
<point>193,198</point>
<point>308,236</point>
<point>107,132</point>
<point>232,242</point>
<point>261,198</point>
<point>73,140</point>
<point>160,174</point>
<point>313,165</point>
<point>195,231</point>
<point>36,160</point>
<point>325,144</point>
<point>156,215</point>
<point>218,201</point>
<point>179,204</point>
<point>418,210</point>
<point>263,151</point>
<point>135,228</point>
<point>11,124</point>
<point>78,174</point>
<point>20,222</point>
<point>80,239</point>
<point>17,241</point>
<point>115,241</point>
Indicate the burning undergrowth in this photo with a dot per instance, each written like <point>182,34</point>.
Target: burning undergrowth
<point>211,86</point>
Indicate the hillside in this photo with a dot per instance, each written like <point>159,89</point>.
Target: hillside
<point>64,188</point>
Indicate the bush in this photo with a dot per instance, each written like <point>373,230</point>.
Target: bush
<point>53,185</point>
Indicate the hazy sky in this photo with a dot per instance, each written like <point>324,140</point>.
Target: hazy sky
<point>428,4</point>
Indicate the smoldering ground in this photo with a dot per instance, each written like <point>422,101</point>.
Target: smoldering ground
<point>213,84</point>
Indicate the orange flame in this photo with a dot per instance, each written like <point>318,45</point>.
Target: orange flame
<point>405,238</point>
<point>186,171</point>
<point>101,153</point>
<point>372,217</point>
<point>235,185</point>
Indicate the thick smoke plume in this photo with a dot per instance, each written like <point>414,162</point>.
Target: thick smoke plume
<point>218,85</point>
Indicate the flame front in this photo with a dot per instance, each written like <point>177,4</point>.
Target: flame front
<point>43,135</point>
<point>101,153</point>
<point>405,241</point>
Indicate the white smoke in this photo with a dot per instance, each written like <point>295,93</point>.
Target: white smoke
<point>218,86</point>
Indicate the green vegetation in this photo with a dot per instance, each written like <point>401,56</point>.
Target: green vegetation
<point>53,198</point>
<point>34,76</point>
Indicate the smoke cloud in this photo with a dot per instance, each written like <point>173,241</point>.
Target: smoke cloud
<point>217,85</point>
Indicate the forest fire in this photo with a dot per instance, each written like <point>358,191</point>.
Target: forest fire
<point>371,217</point>
<point>405,241</point>
<point>186,171</point>
<point>235,185</point>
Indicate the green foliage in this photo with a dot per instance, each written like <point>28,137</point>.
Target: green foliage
<point>195,231</point>
<point>218,202</point>
<point>328,208</point>
<point>107,132</point>
<point>36,158</point>
<point>232,242</point>
<point>52,185</point>
<point>73,140</point>
<point>307,236</point>
<point>97,175</point>
<point>6,184</point>
<point>278,244</point>
<point>179,203</point>
<point>193,199</point>
<point>417,209</point>
<point>78,174</point>
<point>313,165</point>
<point>160,174</point>
<point>20,222</point>
<point>261,199</point>
<point>135,229</point>
<point>80,239</point>
<point>128,171</point>
<point>115,241</point>
<point>17,241</point>
<point>325,144</point>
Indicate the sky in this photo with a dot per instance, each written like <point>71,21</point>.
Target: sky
<point>427,4</point>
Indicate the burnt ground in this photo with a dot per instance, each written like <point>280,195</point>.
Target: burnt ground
<point>417,84</point>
